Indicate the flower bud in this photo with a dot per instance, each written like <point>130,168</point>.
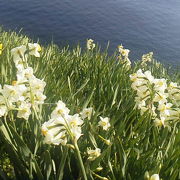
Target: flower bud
<point>146,175</point>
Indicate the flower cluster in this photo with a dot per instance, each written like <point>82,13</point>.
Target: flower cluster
<point>124,53</point>
<point>90,44</point>
<point>146,58</point>
<point>61,126</point>
<point>156,96</point>
<point>26,92</point>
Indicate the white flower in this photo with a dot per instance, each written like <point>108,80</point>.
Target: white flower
<point>24,110</point>
<point>39,98</point>
<point>90,44</point>
<point>160,85</point>
<point>87,113</point>
<point>159,122</point>
<point>124,52</point>
<point>18,54</point>
<point>165,109</point>
<point>54,133</point>
<point>76,131</point>
<point>74,123</point>
<point>172,85</point>
<point>74,120</point>
<point>93,154</point>
<point>143,92</point>
<point>160,97</point>
<point>3,108</point>
<point>149,76</point>
<point>154,177</point>
<point>174,114</point>
<point>141,105</point>
<point>37,85</point>
<point>146,58</point>
<point>14,93</point>
<point>104,123</point>
<point>138,83</point>
<point>60,110</point>
<point>34,49</point>
<point>174,93</point>
<point>24,74</point>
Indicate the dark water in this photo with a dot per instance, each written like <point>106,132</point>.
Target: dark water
<point>140,25</point>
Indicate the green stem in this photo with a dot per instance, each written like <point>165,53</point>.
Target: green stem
<point>62,164</point>
<point>80,160</point>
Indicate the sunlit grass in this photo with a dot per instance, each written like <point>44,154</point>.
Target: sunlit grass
<point>81,79</point>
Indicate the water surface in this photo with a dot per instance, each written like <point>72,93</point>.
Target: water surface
<point>140,25</point>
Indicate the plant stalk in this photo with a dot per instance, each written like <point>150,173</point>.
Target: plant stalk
<point>80,160</point>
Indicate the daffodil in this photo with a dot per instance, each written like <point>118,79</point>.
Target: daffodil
<point>74,120</point>
<point>24,110</point>
<point>87,113</point>
<point>76,132</point>
<point>37,85</point>
<point>123,52</point>
<point>160,85</point>
<point>19,56</point>
<point>53,133</point>
<point>146,58</point>
<point>104,123</point>
<point>159,122</point>
<point>154,177</point>
<point>23,75</point>
<point>3,108</point>
<point>90,44</point>
<point>93,154</point>
<point>14,93</point>
<point>165,109</point>
<point>60,111</point>
<point>39,98</point>
<point>34,49</point>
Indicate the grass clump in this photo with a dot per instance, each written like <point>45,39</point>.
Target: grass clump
<point>93,112</point>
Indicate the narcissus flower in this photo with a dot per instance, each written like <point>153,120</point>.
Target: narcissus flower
<point>124,52</point>
<point>90,44</point>
<point>54,134</point>
<point>34,49</point>
<point>37,85</point>
<point>14,93</point>
<point>146,58</point>
<point>159,122</point>
<point>154,177</point>
<point>3,108</point>
<point>60,110</point>
<point>61,125</point>
<point>93,154</point>
<point>74,120</point>
<point>160,85</point>
<point>104,123</point>
<point>24,110</point>
<point>23,75</point>
<point>18,54</point>
<point>87,113</point>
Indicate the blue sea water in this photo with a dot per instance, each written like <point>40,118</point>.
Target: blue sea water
<point>140,25</point>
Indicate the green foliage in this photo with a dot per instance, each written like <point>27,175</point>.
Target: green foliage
<point>87,79</point>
